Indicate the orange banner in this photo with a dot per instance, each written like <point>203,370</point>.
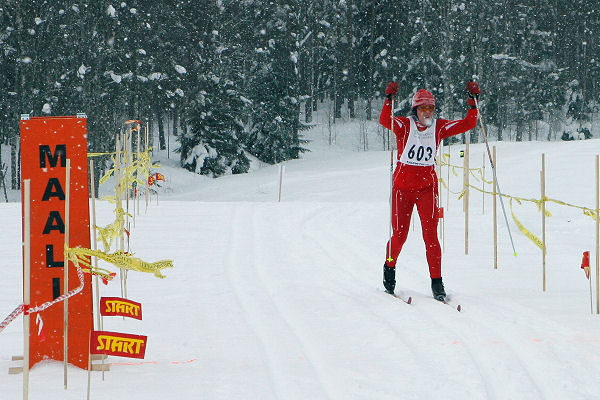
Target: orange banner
<point>46,144</point>
<point>118,344</point>
<point>117,306</point>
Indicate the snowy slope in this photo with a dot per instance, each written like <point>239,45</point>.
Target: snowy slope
<point>273,300</point>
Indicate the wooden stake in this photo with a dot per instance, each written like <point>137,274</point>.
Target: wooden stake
<point>543,182</point>
<point>146,180</point>
<point>118,194</point>
<point>137,186</point>
<point>495,213</point>
<point>26,284</point>
<point>597,235</point>
<point>95,244</point>
<point>66,273</point>
<point>466,202</point>
<point>99,319</point>
<point>591,301</point>
<point>483,184</point>
<point>89,372</point>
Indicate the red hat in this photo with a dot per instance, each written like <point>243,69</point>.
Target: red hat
<point>423,98</point>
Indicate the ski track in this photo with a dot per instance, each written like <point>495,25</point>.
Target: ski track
<point>548,335</point>
<point>477,338</point>
<point>314,382</point>
<point>427,358</point>
<point>236,241</point>
<point>495,387</point>
<point>293,374</point>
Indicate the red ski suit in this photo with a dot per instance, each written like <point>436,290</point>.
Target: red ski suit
<point>418,185</point>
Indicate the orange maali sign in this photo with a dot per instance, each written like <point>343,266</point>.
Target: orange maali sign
<point>46,144</point>
<point>118,344</point>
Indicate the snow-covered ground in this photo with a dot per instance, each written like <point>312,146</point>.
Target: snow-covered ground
<point>283,300</point>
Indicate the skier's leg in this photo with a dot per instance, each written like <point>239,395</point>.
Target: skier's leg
<point>402,205</point>
<point>428,212</point>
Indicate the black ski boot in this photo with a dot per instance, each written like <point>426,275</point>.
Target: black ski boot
<point>389,278</point>
<point>437,288</point>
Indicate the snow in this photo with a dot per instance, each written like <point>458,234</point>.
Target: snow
<point>283,300</point>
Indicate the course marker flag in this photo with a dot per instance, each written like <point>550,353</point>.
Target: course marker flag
<point>117,306</point>
<point>585,264</point>
<point>118,344</point>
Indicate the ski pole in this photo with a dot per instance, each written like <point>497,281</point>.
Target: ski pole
<point>494,172</point>
<point>391,181</point>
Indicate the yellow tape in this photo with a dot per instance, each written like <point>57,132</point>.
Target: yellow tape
<point>524,230</point>
<point>120,260</point>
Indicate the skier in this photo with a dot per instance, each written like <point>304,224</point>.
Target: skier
<point>415,180</point>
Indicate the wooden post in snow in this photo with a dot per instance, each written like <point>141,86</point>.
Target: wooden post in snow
<point>597,235</point>
<point>495,213</point>
<point>543,183</point>
<point>66,273</point>
<point>483,184</point>
<point>118,195</point>
<point>99,319</point>
<point>466,186</point>
<point>26,283</point>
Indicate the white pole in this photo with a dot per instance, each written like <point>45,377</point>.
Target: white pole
<point>440,188</point>
<point>281,169</point>
<point>26,284</point>
<point>497,185</point>
<point>66,273</point>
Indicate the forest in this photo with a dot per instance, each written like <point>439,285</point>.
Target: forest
<point>242,78</point>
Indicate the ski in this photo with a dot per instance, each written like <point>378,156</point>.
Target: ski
<point>442,300</point>
<point>407,300</point>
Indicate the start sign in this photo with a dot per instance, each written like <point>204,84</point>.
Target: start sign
<point>46,144</point>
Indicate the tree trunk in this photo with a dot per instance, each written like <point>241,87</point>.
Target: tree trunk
<point>15,177</point>
<point>308,107</point>
<point>519,133</point>
<point>162,144</point>
<point>175,123</point>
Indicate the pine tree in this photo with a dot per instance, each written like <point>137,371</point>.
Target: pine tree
<point>213,145</point>
<point>274,133</point>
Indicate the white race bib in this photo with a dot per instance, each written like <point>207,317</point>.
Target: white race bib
<point>420,147</point>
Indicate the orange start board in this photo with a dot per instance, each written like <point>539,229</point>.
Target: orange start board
<point>46,144</point>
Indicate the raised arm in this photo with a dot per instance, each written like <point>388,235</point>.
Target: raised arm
<point>452,128</point>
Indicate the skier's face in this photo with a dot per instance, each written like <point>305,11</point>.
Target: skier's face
<point>425,114</point>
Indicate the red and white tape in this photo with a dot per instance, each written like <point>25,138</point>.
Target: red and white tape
<point>31,310</point>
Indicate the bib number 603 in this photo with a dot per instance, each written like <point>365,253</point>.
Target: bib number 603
<point>420,153</point>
